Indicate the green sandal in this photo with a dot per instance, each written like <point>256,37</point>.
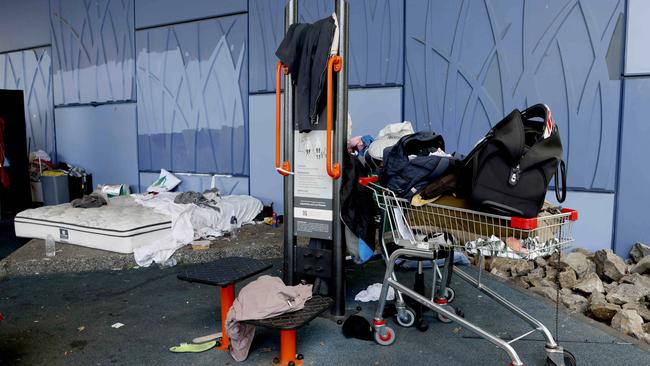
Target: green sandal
<point>193,348</point>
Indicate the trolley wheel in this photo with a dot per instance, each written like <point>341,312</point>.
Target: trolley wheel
<point>569,359</point>
<point>385,335</point>
<point>444,319</point>
<point>407,319</point>
<point>450,294</point>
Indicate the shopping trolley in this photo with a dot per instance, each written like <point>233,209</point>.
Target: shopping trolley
<point>422,232</point>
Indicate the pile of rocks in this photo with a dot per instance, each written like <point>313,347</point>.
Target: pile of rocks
<point>600,285</point>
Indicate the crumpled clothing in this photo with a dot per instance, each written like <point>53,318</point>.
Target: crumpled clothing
<point>387,137</point>
<point>264,298</point>
<point>372,293</point>
<point>92,200</point>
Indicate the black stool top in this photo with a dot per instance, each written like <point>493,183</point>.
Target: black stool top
<point>224,271</point>
<point>313,307</point>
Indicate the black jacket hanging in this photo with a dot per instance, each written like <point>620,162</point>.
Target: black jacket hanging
<point>305,50</point>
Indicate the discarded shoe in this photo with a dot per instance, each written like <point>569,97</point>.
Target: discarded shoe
<point>193,348</point>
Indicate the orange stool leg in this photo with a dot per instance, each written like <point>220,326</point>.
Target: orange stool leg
<point>288,349</point>
<point>227,298</point>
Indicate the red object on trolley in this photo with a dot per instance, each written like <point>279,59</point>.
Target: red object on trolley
<point>285,169</point>
<point>364,181</point>
<point>4,177</point>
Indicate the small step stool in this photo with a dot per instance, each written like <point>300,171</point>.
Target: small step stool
<point>225,273</point>
<point>288,323</point>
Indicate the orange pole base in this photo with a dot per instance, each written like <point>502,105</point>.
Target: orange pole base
<point>288,349</point>
<point>227,298</point>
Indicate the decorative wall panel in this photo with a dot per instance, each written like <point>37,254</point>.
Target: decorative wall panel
<point>102,140</point>
<point>266,30</point>
<point>149,13</point>
<point>23,24</point>
<point>192,97</point>
<point>376,39</point>
<point>468,63</point>
<point>30,71</point>
<point>92,44</point>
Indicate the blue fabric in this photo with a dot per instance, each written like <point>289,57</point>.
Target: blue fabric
<point>365,252</point>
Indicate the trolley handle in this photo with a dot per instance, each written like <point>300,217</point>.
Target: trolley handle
<point>531,223</point>
<point>285,169</point>
<point>335,63</point>
<point>364,181</point>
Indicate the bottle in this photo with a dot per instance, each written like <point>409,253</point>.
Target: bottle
<point>233,227</point>
<point>50,249</point>
<point>274,220</point>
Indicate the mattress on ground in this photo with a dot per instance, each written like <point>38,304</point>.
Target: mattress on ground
<point>121,226</point>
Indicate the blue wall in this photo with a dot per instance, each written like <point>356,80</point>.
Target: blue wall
<point>189,87</point>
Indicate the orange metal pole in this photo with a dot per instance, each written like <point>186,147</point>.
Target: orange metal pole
<point>286,167</point>
<point>227,299</point>
<point>335,63</point>
<point>288,348</point>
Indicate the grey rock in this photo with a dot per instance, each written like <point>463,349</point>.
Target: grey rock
<point>646,327</point>
<point>589,284</point>
<point>537,273</point>
<point>624,293</point>
<point>609,286</point>
<point>552,261</point>
<point>628,321</point>
<point>574,302</point>
<point>541,282</point>
<point>579,262</point>
<point>609,265</point>
<point>642,281</point>
<point>641,308</point>
<point>515,267</point>
<point>551,273</point>
<point>540,262</point>
<point>568,278</point>
<point>639,251</point>
<point>642,267</point>
<point>547,292</point>
<point>596,298</point>
<point>603,310</point>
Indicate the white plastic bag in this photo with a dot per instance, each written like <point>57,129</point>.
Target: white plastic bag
<point>165,182</point>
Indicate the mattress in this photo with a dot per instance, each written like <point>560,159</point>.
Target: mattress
<point>121,226</point>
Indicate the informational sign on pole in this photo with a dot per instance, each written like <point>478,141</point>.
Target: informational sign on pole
<point>313,213</point>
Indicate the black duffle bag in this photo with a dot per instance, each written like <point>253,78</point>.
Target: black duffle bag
<point>509,171</point>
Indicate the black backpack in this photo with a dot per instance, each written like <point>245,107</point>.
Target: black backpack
<point>508,172</point>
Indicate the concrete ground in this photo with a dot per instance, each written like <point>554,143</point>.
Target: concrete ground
<point>253,241</point>
<point>65,319</point>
